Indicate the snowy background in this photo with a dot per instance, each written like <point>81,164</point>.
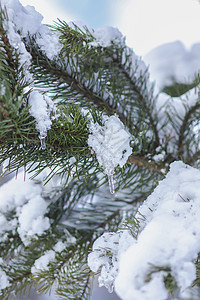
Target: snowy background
<point>146,24</point>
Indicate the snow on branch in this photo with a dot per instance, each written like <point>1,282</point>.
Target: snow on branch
<point>41,107</point>
<point>29,208</point>
<point>166,246</point>
<point>110,144</point>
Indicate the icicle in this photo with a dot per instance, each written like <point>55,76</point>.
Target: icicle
<point>42,141</point>
<point>111,182</point>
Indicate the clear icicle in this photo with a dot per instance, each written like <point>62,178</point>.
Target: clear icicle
<point>111,182</point>
<point>42,141</point>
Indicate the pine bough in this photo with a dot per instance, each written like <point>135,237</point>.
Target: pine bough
<point>88,139</point>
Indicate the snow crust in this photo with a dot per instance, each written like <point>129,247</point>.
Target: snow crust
<point>169,235</point>
<point>110,143</point>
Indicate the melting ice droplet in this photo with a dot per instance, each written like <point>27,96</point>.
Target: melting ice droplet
<point>42,141</point>
<point>111,183</point>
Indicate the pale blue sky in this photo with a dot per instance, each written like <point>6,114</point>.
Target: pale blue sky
<point>94,13</point>
<point>145,23</point>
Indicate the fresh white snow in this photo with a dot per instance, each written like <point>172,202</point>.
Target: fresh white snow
<point>41,107</point>
<point>107,36</point>
<point>21,21</point>
<point>23,197</point>
<point>4,280</point>
<point>169,236</point>
<point>42,263</point>
<point>169,232</point>
<point>48,41</point>
<point>32,221</point>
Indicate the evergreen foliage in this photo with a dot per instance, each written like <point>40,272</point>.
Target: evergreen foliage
<point>86,81</point>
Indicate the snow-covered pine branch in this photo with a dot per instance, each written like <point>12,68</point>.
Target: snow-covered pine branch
<point>160,259</point>
<point>78,112</point>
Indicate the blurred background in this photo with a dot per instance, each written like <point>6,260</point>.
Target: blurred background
<point>146,25</point>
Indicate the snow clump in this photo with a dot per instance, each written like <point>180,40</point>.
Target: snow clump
<point>107,36</point>
<point>110,142</point>
<point>49,256</point>
<point>4,281</point>
<point>22,22</point>
<point>29,207</point>
<point>19,23</point>
<point>172,62</point>
<point>31,219</point>
<point>41,107</point>
<point>169,236</point>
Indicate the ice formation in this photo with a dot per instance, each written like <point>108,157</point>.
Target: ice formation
<point>111,144</point>
<point>41,107</point>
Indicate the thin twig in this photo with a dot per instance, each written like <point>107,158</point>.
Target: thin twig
<point>144,162</point>
<point>184,127</point>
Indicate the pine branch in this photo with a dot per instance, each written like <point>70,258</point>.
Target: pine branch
<point>110,69</point>
<point>23,277</point>
<point>141,97</point>
<point>73,82</point>
<point>5,45</point>
<point>145,163</point>
<point>184,127</point>
<point>77,86</point>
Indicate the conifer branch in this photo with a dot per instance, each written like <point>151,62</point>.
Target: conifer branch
<point>184,126</point>
<point>10,61</point>
<point>142,161</point>
<point>76,85</point>
<point>140,96</point>
<point>192,161</point>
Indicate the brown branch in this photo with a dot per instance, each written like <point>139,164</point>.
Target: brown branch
<point>141,98</point>
<point>76,85</point>
<point>184,127</point>
<point>7,47</point>
<point>144,162</point>
<point>191,161</point>
<point>86,237</point>
<point>4,112</point>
